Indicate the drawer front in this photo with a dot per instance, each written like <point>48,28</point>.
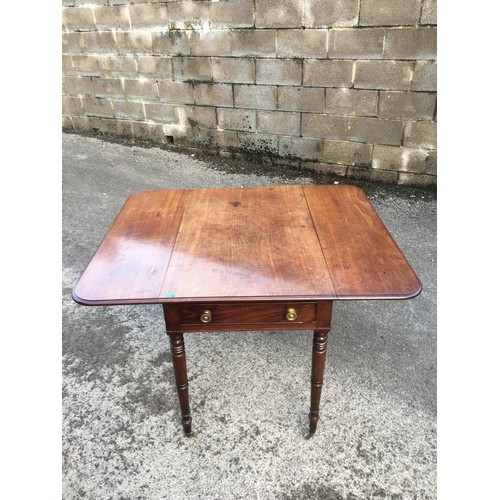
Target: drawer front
<point>288,314</point>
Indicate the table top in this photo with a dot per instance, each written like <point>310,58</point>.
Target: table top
<point>234,244</point>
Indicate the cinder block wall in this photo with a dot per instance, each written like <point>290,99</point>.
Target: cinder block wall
<point>342,86</point>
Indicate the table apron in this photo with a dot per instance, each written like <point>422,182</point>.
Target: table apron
<point>241,316</point>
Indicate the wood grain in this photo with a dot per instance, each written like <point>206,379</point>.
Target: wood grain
<point>251,243</point>
<point>250,313</point>
<point>130,264</point>
<point>361,255</point>
<point>264,243</point>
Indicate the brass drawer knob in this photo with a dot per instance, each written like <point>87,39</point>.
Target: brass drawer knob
<point>291,314</point>
<point>206,316</point>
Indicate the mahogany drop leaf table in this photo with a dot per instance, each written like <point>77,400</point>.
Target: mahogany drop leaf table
<point>261,258</point>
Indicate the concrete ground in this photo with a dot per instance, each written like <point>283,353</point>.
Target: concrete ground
<point>122,437</point>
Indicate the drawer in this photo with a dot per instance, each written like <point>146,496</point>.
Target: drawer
<point>285,314</point>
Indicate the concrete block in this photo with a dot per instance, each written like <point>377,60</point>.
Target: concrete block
<point>420,135</point>
<point>153,132</point>
<point>303,43</point>
<point>257,143</point>
<point>425,76</point>
<point>278,122</point>
<point>386,176</point>
<point>94,123</point>
<point>81,123</point>
<point>216,139</point>
<point>112,18</point>
<point>282,14</point>
<point>95,42</point>
<point>78,85</point>
<point>141,130</point>
<point>115,66</point>
<point>129,110</point>
<point>192,68</point>
<point>141,89</point>
<point>328,73</point>
<point>278,71</point>
<point>72,43</point>
<point>385,75</point>
<point>85,65</point>
<point>108,88</point>
<point>324,126</point>
<point>311,100</point>
<point>389,12</point>
<point>171,43</point>
<point>255,96</point>
<point>199,116</point>
<point>429,12</point>
<point>78,19</point>
<point>148,16</point>
<point>376,131</point>
<point>328,13</point>
<point>237,119</point>
<point>325,168</point>
<point>67,123</point>
<point>212,43</point>
<point>233,70</point>
<point>359,173</point>
<point>134,42</point>
<point>213,94</point>
<point>238,14</point>
<point>94,106</point>
<point>401,159</point>
<point>411,43</point>
<point>407,105</point>
<point>175,92</point>
<point>189,15</point>
<point>300,148</point>
<point>123,128</point>
<point>67,65</point>
<point>71,105</point>
<point>347,102</point>
<point>356,43</point>
<point>161,112</point>
<point>247,43</point>
<point>410,179</point>
<point>431,163</point>
<point>347,153</point>
<point>106,126</point>
<point>155,66</point>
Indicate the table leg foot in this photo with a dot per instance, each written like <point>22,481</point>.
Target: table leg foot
<point>317,371</point>
<point>309,435</point>
<point>186,423</point>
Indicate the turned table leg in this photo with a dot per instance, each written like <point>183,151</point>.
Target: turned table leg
<point>317,370</point>
<point>181,378</point>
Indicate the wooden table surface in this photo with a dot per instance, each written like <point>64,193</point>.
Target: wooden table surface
<point>234,244</point>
